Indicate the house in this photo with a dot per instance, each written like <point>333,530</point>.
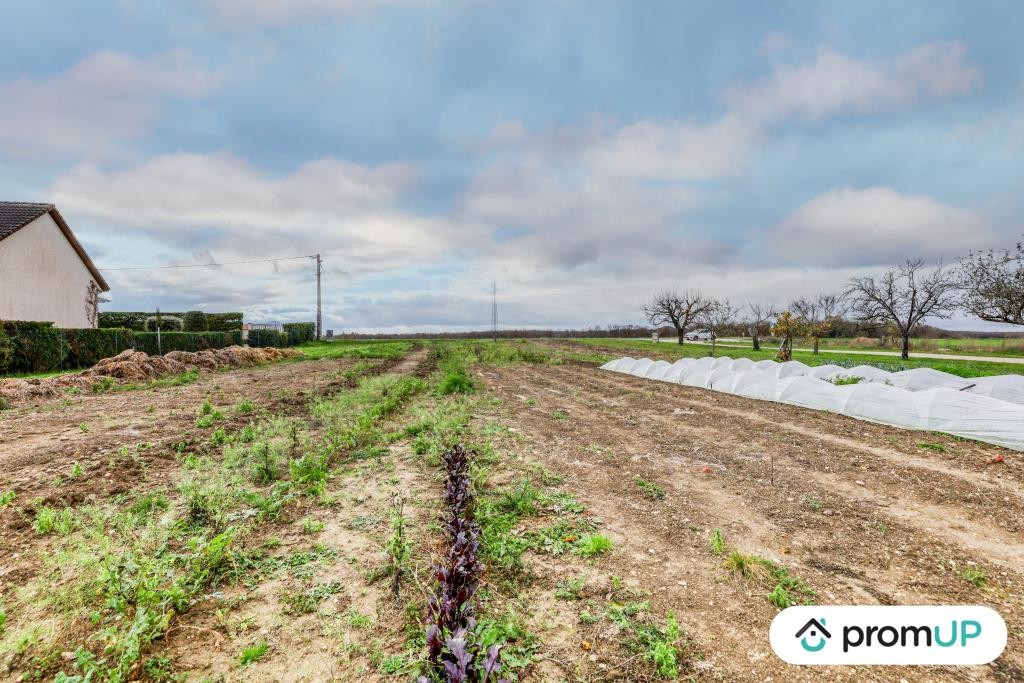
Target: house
<point>45,273</point>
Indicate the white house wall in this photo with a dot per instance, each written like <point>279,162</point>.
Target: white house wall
<point>42,277</point>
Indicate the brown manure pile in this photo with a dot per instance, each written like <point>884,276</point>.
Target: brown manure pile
<point>138,366</point>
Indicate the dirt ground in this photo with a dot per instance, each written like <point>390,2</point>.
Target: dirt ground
<point>860,511</point>
<point>864,514</point>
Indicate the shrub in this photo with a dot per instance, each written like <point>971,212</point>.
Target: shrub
<point>299,333</point>
<point>282,340</point>
<point>38,346</point>
<point>168,323</point>
<point>181,341</point>
<point>134,320</point>
<point>259,338</point>
<point>6,350</point>
<point>236,337</point>
<point>87,346</point>
<point>195,321</point>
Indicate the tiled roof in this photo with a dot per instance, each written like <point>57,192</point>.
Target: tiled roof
<point>16,215</point>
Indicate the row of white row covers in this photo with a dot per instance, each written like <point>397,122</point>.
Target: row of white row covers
<point>1003,387</point>
<point>943,408</point>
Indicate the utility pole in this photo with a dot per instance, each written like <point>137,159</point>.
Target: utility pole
<point>494,310</point>
<point>319,314</point>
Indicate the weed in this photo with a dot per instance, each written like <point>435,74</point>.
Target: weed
<point>976,576</point>
<point>6,498</point>
<point>219,437</point>
<point>746,566</point>
<point>398,548</point>
<point>841,380</point>
<point>159,668</point>
<point>393,664</point>
<point>76,471</point>
<point>455,382</point>
<point>780,597</point>
<point>717,542</point>
<point>312,526</point>
<point>587,618</point>
<point>84,428</point>
<point>650,490</point>
<point>245,406</point>
<point>308,601</point>
<point>3,620</point>
<point>786,590</point>
<point>661,648</point>
<point>811,503</point>
<point>593,544</point>
<point>265,469</point>
<point>570,589</point>
<point>253,653</point>
<point>148,504</point>
<point>936,447</point>
<point>560,415</point>
<point>523,500</point>
<point>48,521</point>
<point>357,620</point>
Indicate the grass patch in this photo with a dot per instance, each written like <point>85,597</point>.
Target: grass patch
<point>253,653</point>
<point>592,545</point>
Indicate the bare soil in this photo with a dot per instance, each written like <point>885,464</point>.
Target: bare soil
<point>862,513</point>
<point>859,511</point>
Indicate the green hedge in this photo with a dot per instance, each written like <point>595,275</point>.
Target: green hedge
<point>35,347</point>
<point>195,321</point>
<point>136,320</point>
<point>181,341</point>
<point>6,350</point>
<point>86,347</point>
<point>38,346</point>
<point>168,323</point>
<point>299,333</point>
<point>258,338</point>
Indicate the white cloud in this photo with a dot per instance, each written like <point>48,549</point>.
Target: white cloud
<point>835,84</point>
<point>104,98</point>
<point>222,203</point>
<point>874,226</point>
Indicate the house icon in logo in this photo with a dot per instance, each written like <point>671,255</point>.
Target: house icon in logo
<point>817,630</point>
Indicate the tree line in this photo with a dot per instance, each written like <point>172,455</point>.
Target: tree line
<point>988,285</point>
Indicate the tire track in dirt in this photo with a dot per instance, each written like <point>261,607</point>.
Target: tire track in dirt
<point>632,417</point>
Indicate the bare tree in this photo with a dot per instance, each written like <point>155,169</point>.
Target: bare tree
<point>992,285</point>
<point>904,295</point>
<point>669,307</point>
<point>818,315</point>
<point>760,314</point>
<point>718,315</point>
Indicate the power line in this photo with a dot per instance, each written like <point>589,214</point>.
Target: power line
<point>207,265</point>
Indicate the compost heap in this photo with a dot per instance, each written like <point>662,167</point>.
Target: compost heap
<point>136,366</point>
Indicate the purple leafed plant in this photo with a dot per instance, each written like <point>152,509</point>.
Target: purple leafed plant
<point>450,609</point>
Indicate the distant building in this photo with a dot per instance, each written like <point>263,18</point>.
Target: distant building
<point>45,273</point>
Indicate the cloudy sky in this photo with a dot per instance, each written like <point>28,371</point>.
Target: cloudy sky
<point>581,154</point>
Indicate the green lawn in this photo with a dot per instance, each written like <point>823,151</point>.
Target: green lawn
<point>355,348</point>
<point>963,368</point>
<point>967,347</point>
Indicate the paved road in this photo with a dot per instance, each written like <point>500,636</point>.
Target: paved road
<point>891,354</point>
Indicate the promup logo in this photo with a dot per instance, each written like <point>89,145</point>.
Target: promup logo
<point>817,629</point>
<point>955,635</point>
